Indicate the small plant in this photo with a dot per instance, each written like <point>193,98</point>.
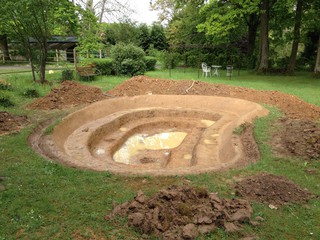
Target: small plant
<point>5,101</point>
<point>50,128</point>
<point>67,75</point>
<point>5,85</point>
<point>31,93</point>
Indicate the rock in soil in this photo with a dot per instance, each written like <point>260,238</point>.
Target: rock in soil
<point>183,212</point>
<point>271,189</point>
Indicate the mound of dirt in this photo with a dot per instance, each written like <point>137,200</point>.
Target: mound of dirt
<point>10,123</point>
<point>272,189</point>
<point>291,105</point>
<point>68,94</point>
<point>183,213</point>
<point>298,138</point>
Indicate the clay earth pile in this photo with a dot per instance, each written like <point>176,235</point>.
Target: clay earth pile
<point>184,212</point>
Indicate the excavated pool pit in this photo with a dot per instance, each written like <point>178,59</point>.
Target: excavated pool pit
<point>154,134</point>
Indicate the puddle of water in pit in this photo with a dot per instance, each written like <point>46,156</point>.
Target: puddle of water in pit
<point>140,142</point>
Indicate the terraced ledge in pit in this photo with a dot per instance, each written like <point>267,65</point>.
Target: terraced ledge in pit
<point>109,123</point>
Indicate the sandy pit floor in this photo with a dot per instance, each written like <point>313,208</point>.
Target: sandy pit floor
<point>91,137</point>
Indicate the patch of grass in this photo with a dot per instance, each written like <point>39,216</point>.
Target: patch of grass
<point>50,128</point>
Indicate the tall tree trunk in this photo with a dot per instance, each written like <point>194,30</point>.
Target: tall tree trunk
<point>296,37</point>
<point>43,60</point>
<point>264,39</point>
<point>103,3</point>
<point>317,66</point>
<point>4,47</point>
<point>253,23</point>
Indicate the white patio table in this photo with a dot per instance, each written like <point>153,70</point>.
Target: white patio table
<point>215,70</point>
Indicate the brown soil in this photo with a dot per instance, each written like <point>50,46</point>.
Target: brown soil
<point>272,189</point>
<point>71,93</point>
<point>183,213</point>
<point>292,106</point>
<point>89,138</point>
<point>297,138</point>
<point>68,94</point>
<point>10,123</point>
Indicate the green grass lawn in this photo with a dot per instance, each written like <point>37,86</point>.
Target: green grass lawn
<point>45,200</point>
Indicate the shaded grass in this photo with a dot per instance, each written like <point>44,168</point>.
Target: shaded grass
<point>43,199</point>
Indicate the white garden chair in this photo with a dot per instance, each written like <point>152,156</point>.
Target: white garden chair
<point>206,70</point>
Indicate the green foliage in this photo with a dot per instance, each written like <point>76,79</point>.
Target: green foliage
<point>158,37</point>
<point>31,93</point>
<point>89,38</point>
<point>150,63</point>
<point>169,59</point>
<point>144,37</point>
<point>67,74</point>
<point>36,20</point>
<point>5,85</point>
<point>6,100</point>
<point>128,59</point>
<point>104,66</point>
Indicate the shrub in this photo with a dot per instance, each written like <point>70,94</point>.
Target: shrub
<point>128,59</point>
<point>104,66</point>
<point>5,85</point>
<point>31,93</point>
<point>150,63</point>
<point>67,74</point>
<point>5,100</point>
<point>133,67</point>
<point>169,60</point>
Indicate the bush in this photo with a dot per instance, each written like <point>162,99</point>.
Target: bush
<point>5,100</point>
<point>5,85</point>
<point>104,66</point>
<point>169,60</point>
<point>150,63</point>
<point>31,93</point>
<point>67,75</point>
<point>128,59</point>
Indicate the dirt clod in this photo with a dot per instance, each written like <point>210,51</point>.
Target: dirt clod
<point>271,189</point>
<point>10,123</point>
<point>183,212</point>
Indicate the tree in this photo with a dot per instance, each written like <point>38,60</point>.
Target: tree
<point>144,37</point>
<point>229,21</point>
<point>32,23</point>
<point>158,37</point>
<point>263,64</point>
<point>296,37</point>
<point>317,65</point>
<point>167,9</point>
<point>4,47</point>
